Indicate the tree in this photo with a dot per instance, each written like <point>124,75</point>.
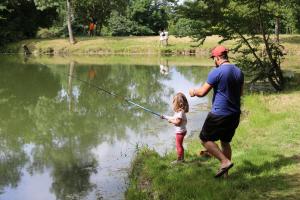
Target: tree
<point>69,17</point>
<point>120,25</point>
<point>21,20</point>
<point>285,13</point>
<point>142,17</point>
<point>99,10</point>
<point>60,5</point>
<point>250,24</point>
<point>149,13</point>
<point>290,24</point>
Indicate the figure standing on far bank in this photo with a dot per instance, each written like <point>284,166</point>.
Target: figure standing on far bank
<point>92,26</point>
<point>163,37</point>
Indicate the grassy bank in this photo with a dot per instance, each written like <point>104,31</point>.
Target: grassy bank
<point>131,45</point>
<point>266,153</point>
<point>108,45</point>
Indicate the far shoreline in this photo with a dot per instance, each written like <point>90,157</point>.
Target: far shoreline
<point>131,45</point>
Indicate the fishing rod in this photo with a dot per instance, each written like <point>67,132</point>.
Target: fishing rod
<point>115,95</point>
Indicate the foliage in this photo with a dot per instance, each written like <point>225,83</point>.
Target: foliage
<point>51,32</point>
<point>21,20</point>
<point>2,8</point>
<point>64,8</point>
<point>100,11</point>
<point>149,13</point>
<point>250,23</point>
<point>119,25</point>
<point>142,17</point>
<point>44,4</point>
<point>182,28</point>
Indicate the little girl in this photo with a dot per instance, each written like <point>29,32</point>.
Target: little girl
<point>180,107</point>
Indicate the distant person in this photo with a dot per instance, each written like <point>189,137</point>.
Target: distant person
<point>91,29</point>
<point>227,82</point>
<point>92,26</point>
<point>166,37</point>
<point>180,107</point>
<point>163,38</point>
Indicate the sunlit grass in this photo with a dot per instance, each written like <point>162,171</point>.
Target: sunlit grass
<point>133,45</point>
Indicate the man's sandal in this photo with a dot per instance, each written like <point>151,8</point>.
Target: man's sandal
<point>223,170</point>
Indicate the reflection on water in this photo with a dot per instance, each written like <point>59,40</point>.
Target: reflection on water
<point>61,138</point>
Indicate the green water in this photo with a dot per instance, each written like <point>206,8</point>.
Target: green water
<point>60,138</point>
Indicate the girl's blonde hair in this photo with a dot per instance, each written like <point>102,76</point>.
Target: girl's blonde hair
<point>180,103</point>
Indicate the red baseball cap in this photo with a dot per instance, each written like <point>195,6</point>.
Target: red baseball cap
<point>218,51</point>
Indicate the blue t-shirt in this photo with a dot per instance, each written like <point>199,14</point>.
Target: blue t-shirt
<point>227,81</point>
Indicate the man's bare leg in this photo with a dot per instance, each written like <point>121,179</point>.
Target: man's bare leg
<point>226,149</point>
<point>214,149</point>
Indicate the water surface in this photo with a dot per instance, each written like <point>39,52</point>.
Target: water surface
<point>61,138</point>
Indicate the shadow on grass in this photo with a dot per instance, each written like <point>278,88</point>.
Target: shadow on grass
<point>194,180</point>
<point>293,40</point>
<point>266,181</point>
<point>249,168</point>
<point>293,84</point>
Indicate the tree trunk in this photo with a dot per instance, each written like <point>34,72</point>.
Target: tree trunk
<point>69,17</point>
<point>274,72</point>
<point>277,29</point>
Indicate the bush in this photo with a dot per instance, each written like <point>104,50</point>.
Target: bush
<point>105,31</point>
<point>119,25</point>
<point>52,32</point>
<point>141,30</point>
<point>181,28</point>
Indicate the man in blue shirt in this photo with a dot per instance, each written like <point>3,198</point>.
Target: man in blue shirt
<point>227,82</point>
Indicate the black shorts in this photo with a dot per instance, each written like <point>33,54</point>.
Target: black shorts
<point>218,127</point>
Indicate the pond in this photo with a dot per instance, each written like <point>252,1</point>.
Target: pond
<point>62,138</point>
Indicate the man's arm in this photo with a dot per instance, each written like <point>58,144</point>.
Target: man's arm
<point>201,92</point>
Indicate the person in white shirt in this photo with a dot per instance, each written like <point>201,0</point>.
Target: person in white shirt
<point>163,37</point>
<point>180,107</point>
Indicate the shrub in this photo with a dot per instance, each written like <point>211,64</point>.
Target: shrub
<point>49,32</point>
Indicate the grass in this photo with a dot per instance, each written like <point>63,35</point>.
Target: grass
<point>266,153</point>
<point>131,45</point>
<point>104,45</point>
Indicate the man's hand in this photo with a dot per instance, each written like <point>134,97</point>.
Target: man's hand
<point>192,92</point>
<point>201,92</point>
